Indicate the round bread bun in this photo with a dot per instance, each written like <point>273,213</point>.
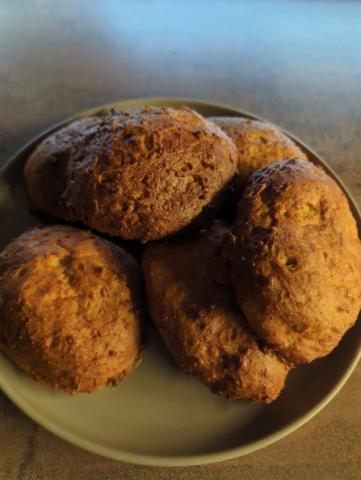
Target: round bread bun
<point>258,144</point>
<point>70,308</point>
<point>141,174</point>
<point>296,260</point>
<point>191,302</point>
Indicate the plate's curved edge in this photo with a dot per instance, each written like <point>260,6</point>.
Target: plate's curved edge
<point>177,461</point>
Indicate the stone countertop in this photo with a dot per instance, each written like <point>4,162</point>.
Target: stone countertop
<point>295,63</point>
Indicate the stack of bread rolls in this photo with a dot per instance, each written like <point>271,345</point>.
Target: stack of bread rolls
<point>248,259</point>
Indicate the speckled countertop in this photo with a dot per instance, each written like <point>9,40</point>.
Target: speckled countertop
<point>294,63</point>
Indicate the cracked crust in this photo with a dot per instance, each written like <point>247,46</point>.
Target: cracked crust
<point>296,260</point>
<point>258,144</point>
<point>142,174</point>
<point>191,302</point>
<point>70,308</point>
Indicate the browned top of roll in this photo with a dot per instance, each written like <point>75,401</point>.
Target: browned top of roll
<point>70,308</point>
<point>296,259</point>
<point>142,174</point>
<point>191,302</point>
<point>258,143</point>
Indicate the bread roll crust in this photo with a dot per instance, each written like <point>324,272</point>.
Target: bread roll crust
<point>70,308</point>
<point>143,174</point>
<point>190,300</point>
<point>295,257</point>
<point>258,144</point>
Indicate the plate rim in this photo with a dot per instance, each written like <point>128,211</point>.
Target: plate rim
<point>174,460</point>
<point>178,460</point>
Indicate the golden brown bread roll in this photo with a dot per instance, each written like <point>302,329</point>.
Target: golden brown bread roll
<point>142,174</point>
<point>191,302</point>
<point>296,259</point>
<point>70,308</point>
<point>258,144</point>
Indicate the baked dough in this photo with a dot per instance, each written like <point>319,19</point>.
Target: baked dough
<point>141,174</point>
<point>70,308</point>
<point>190,300</point>
<point>258,144</point>
<point>296,259</point>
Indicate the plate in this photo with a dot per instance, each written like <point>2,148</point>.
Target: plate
<point>158,415</point>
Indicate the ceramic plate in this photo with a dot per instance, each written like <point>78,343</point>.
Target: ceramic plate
<point>160,416</point>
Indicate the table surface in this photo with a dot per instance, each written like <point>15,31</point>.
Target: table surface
<point>296,63</point>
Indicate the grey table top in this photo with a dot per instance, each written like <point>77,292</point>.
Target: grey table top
<point>296,63</point>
